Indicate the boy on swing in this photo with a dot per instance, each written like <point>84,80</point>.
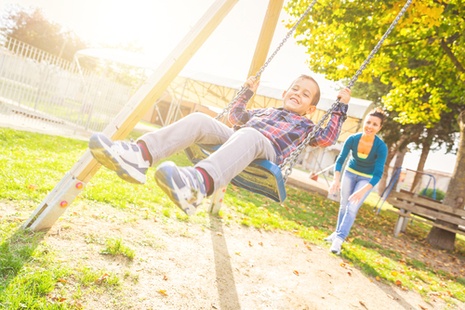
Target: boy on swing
<point>266,133</point>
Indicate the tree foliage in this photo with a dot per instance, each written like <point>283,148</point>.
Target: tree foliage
<point>417,75</point>
<point>421,65</point>
<point>421,60</point>
<point>32,27</point>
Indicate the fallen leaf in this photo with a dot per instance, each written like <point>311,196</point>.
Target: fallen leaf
<point>102,278</point>
<point>162,292</point>
<point>296,273</point>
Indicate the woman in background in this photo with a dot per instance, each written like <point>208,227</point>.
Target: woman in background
<point>364,170</point>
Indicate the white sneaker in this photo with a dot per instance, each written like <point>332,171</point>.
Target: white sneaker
<point>125,158</point>
<point>336,246</point>
<point>184,185</point>
<point>331,237</point>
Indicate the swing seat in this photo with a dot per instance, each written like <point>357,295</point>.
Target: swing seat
<point>261,176</point>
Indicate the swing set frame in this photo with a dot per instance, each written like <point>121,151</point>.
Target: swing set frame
<point>74,181</point>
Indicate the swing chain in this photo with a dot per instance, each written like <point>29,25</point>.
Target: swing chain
<point>290,161</point>
<point>378,46</point>
<point>288,35</point>
<point>259,73</point>
<point>229,106</point>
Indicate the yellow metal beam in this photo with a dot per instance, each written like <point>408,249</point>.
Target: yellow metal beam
<point>266,35</point>
<point>73,182</point>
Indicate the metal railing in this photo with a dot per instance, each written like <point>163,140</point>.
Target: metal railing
<point>37,87</point>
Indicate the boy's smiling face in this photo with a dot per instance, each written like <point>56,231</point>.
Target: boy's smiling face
<point>299,97</point>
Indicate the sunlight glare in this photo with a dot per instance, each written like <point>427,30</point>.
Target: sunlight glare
<point>141,23</point>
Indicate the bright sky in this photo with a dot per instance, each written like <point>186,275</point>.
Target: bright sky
<point>159,25</point>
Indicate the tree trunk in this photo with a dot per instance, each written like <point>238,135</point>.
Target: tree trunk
<point>426,148</point>
<point>440,238</point>
<point>397,164</point>
<point>397,149</point>
<point>384,179</point>
<point>400,158</point>
<point>454,195</point>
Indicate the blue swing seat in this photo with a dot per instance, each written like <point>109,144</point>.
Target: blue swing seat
<point>261,176</point>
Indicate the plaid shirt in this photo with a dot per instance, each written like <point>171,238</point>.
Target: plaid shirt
<point>285,129</point>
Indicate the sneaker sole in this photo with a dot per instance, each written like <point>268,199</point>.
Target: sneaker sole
<point>164,179</point>
<point>329,239</point>
<point>336,252</point>
<point>99,147</point>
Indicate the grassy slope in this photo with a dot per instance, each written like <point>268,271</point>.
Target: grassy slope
<point>32,164</point>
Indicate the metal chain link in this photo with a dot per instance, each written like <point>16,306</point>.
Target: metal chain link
<point>378,46</point>
<point>288,35</point>
<point>290,161</point>
<point>259,73</point>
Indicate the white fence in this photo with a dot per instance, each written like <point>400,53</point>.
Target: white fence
<point>38,87</point>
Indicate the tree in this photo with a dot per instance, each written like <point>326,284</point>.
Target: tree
<point>31,27</point>
<point>455,196</point>
<point>395,135</point>
<point>422,62</point>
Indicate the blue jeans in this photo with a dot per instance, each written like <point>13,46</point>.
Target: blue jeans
<point>348,211</point>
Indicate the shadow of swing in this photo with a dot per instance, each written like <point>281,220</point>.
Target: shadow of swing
<point>226,285</point>
<point>18,249</point>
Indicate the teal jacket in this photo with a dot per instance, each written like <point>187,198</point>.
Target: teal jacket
<point>373,165</point>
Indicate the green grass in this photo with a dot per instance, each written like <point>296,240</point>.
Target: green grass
<point>116,247</point>
<point>31,276</point>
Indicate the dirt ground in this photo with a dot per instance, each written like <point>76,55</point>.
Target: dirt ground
<point>212,265</point>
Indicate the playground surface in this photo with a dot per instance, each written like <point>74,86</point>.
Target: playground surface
<point>185,265</point>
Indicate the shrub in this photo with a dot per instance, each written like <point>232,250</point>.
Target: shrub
<point>428,192</point>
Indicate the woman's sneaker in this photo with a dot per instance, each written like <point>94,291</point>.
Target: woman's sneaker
<point>184,185</point>
<point>125,158</point>
<point>331,237</point>
<point>336,246</point>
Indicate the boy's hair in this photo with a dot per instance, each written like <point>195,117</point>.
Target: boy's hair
<point>316,97</point>
<point>379,113</point>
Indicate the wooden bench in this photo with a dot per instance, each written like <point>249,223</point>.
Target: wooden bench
<point>411,206</point>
